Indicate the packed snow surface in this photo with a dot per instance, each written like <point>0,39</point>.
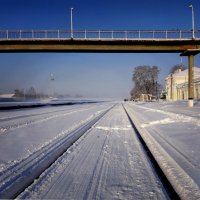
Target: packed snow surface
<point>25,131</point>
<point>108,162</point>
<point>174,129</point>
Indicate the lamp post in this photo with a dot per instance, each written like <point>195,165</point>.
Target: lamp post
<point>191,6</point>
<point>72,22</point>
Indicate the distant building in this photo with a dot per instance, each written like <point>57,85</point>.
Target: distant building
<point>6,96</point>
<point>176,85</point>
<point>146,97</point>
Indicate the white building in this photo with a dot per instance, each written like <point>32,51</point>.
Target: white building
<point>176,85</point>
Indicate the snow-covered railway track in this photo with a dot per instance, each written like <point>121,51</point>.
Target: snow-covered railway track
<point>18,121</point>
<point>174,178</point>
<point>8,118</point>
<point>109,162</point>
<point>16,178</point>
<point>113,159</point>
<point>168,187</point>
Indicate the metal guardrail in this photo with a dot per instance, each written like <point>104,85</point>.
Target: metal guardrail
<point>98,35</point>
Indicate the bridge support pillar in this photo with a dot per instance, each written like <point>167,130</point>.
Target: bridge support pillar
<point>190,80</point>
<point>191,53</point>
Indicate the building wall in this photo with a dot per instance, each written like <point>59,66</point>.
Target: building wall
<point>176,85</point>
<point>183,91</point>
<point>197,90</point>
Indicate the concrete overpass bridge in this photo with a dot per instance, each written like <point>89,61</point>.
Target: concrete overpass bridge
<point>185,42</point>
<point>171,41</point>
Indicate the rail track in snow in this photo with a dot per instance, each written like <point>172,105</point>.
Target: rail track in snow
<point>17,178</point>
<point>159,172</point>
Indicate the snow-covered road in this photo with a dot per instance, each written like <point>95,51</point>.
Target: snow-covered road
<point>108,162</point>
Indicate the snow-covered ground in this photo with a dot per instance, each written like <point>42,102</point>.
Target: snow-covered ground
<point>21,103</point>
<point>108,162</point>
<point>175,128</point>
<point>23,132</point>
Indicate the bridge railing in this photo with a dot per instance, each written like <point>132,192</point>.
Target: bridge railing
<point>99,35</point>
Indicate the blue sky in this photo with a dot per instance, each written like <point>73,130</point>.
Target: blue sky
<point>91,75</point>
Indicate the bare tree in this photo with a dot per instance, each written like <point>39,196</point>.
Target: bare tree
<point>145,80</point>
<point>18,93</point>
<point>177,67</point>
<point>31,93</point>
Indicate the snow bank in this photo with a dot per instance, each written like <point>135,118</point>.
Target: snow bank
<point>41,103</point>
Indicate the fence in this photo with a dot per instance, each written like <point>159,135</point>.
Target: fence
<point>98,35</point>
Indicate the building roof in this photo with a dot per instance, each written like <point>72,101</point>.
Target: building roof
<point>185,72</point>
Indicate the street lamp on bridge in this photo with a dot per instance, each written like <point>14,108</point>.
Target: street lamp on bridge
<point>72,22</point>
<point>191,6</point>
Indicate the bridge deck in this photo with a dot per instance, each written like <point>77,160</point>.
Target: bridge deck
<point>95,45</point>
<point>99,41</point>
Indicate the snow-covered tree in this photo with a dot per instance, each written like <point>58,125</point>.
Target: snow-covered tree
<point>145,80</point>
<point>177,67</point>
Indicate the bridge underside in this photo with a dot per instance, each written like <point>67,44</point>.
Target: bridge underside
<point>186,47</point>
<point>99,46</point>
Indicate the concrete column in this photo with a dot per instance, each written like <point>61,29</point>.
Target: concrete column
<point>190,81</point>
